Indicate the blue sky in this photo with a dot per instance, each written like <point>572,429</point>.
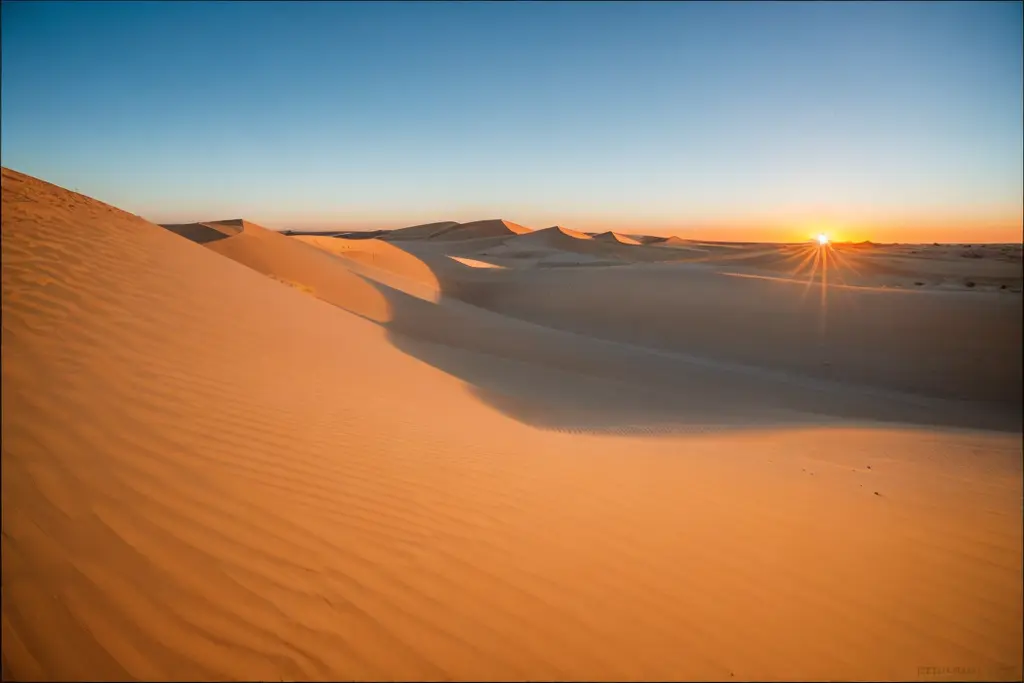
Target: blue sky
<point>660,116</point>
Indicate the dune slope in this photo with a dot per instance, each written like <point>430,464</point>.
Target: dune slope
<point>206,232</point>
<point>555,236</point>
<point>208,474</point>
<point>481,229</point>
<point>420,231</point>
<point>615,238</point>
<point>292,262</point>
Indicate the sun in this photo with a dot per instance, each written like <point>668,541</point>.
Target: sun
<point>822,239</point>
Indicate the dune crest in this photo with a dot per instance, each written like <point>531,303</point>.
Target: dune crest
<point>416,232</point>
<point>650,239</point>
<point>482,229</point>
<point>616,238</point>
<point>452,231</point>
<point>382,262</point>
<point>554,236</point>
<point>289,260</point>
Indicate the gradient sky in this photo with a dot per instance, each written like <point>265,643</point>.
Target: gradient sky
<point>886,120</point>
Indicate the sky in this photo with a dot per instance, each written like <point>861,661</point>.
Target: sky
<point>763,120</point>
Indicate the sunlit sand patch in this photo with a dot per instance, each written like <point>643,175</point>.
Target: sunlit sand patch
<point>475,263</point>
<point>305,268</point>
<point>383,262</point>
<point>616,238</point>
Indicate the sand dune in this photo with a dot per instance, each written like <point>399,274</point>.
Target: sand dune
<point>451,230</point>
<point>558,246</point>
<point>729,397</point>
<point>419,231</point>
<point>208,474</point>
<point>290,261</point>
<point>555,236</point>
<point>383,262</point>
<point>616,238</point>
<point>479,229</point>
<point>650,239</point>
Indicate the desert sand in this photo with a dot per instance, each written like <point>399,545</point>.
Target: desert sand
<point>461,451</point>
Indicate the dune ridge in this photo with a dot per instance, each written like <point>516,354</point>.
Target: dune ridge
<point>450,230</point>
<point>481,229</point>
<point>380,261</point>
<point>562,246</point>
<point>209,474</point>
<point>425,230</point>
<point>650,239</point>
<point>555,235</point>
<point>616,238</point>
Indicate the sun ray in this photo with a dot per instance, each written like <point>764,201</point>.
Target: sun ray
<point>812,253</point>
<point>810,277</point>
<point>823,313</point>
<point>836,264</point>
<point>846,261</point>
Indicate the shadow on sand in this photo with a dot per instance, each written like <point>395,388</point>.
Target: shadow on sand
<point>558,380</point>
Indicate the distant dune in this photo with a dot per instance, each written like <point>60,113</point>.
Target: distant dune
<point>457,231</point>
<point>650,239</point>
<point>555,236</point>
<point>616,238</point>
<point>479,229</point>
<point>558,246</point>
<point>679,243</point>
<point>256,456</point>
<point>424,231</point>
